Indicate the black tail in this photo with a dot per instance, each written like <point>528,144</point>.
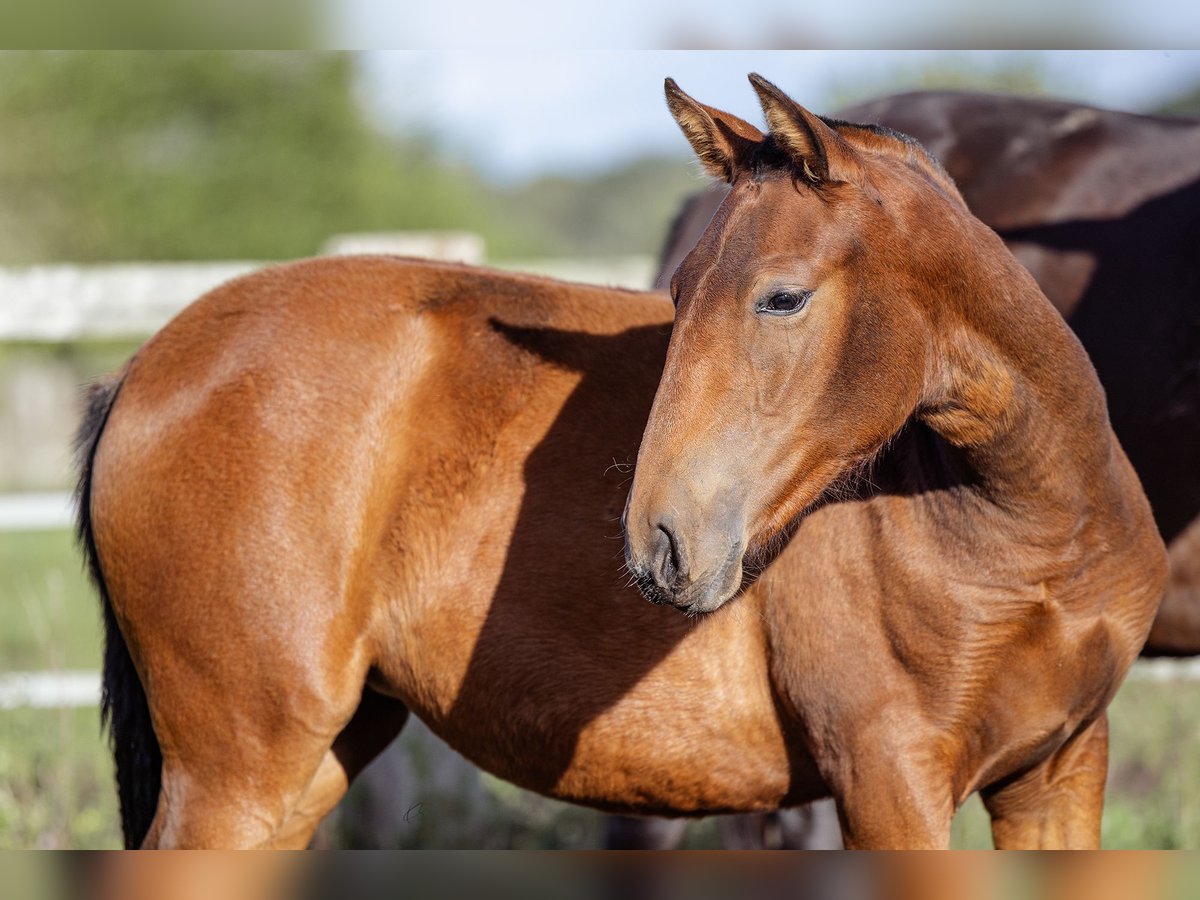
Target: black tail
<point>123,704</point>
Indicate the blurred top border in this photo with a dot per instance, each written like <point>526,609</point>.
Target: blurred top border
<point>613,25</point>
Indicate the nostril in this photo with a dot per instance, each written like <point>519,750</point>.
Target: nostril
<point>670,564</point>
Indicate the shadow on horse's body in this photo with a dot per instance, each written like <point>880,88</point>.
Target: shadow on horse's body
<point>333,492</point>
<point>447,532</point>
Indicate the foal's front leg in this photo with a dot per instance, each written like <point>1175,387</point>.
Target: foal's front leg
<point>887,800</point>
<point>1058,804</point>
<point>894,819</point>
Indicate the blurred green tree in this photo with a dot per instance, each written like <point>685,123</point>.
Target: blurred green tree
<point>626,209</point>
<point>262,155</point>
<point>205,155</point>
<point>1185,104</point>
<point>1021,73</point>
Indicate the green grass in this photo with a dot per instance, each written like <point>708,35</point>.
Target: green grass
<point>56,786</point>
<point>56,782</point>
<point>1153,795</point>
<point>49,617</point>
<point>1154,779</point>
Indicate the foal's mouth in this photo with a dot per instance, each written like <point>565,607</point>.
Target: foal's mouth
<point>649,589</point>
<point>697,598</point>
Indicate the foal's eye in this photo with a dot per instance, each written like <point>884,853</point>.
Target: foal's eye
<point>784,303</point>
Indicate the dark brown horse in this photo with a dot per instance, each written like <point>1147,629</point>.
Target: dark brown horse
<point>333,492</point>
<point>1103,208</point>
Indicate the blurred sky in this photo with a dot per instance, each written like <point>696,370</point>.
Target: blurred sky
<point>784,24</point>
<point>518,113</point>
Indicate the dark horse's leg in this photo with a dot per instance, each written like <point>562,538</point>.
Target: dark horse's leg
<point>648,833</point>
<point>810,827</point>
<point>813,826</point>
<point>1176,630</point>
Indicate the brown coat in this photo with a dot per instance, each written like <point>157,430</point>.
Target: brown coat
<point>335,491</point>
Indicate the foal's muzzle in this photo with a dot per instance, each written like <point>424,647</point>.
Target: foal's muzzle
<point>661,575</point>
<point>665,572</point>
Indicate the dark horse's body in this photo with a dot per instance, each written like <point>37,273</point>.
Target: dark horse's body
<point>1103,208</point>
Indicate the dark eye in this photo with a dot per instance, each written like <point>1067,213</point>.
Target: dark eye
<point>784,303</point>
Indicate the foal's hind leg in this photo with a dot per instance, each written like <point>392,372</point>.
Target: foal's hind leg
<point>239,759</point>
<point>214,801</point>
<point>1058,804</point>
<point>374,726</point>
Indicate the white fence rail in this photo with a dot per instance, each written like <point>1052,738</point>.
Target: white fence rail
<point>133,300</point>
<point>68,689</point>
<point>64,303</point>
<point>46,511</point>
<point>49,690</point>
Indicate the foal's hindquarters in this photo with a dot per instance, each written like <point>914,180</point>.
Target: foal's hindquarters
<point>336,491</point>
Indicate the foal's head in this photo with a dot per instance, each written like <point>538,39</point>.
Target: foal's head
<point>802,342</point>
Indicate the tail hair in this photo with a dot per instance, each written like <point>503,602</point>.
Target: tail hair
<point>123,706</point>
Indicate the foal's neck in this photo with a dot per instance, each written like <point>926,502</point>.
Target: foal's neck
<point>1016,393</point>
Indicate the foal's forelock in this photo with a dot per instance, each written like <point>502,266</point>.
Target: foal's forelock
<point>769,158</point>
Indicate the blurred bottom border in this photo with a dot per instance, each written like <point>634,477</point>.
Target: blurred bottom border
<point>533,875</point>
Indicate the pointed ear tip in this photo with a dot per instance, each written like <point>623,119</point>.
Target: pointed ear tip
<point>761,85</point>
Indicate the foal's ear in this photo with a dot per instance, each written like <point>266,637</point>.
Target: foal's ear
<point>816,148</point>
<point>723,142</point>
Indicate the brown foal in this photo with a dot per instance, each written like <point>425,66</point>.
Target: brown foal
<point>1102,208</point>
<point>333,492</point>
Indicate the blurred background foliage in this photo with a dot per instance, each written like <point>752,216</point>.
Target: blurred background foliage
<point>223,155</point>
<point>260,155</point>
<point>1017,75</point>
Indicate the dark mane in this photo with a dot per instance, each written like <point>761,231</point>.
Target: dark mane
<point>887,139</point>
<point>878,130</point>
<point>768,157</point>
